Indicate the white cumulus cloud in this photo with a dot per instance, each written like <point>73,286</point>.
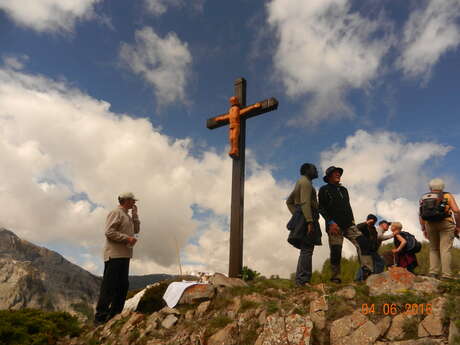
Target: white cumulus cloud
<point>66,156</point>
<point>324,50</point>
<point>164,63</point>
<point>49,15</point>
<point>159,7</point>
<point>430,32</point>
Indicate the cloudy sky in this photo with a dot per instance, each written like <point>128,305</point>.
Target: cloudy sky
<point>99,97</point>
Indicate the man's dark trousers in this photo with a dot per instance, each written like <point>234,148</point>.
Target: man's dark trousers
<point>304,265</point>
<point>114,289</point>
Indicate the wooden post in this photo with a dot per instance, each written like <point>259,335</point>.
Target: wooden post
<point>237,201</point>
<point>237,204</point>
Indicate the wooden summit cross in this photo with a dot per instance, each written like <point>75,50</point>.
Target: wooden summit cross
<point>236,117</point>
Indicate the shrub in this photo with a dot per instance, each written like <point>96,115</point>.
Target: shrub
<point>153,298</point>
<point>249,274</point>
<point>84,309</point>
<point>36,327</point>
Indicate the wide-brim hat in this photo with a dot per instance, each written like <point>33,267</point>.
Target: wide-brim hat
<point>329,171</point>
<point>127,195</point>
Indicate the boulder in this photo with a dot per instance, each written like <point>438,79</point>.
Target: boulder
<point>345,326</point>
<point>426,284</point>
<point>318,308</point>
<point>348,292</point>
<point>383,325</point>
<point>420,341</point>
<point>398,280</point>
<point>293,329</point>
<point>262,317</point>
<point>218,279</point>
<point>396,331</point>
<point>202,308</point>
<point>367,334</point>
<point>197,293</point>
<point>189,314</point>
<point>453,333</point>
<point>226,336</point>
<point>254,297</point>
<point>151,323</point>
<point>168,310</point>
<point>318,304</point>
<point>169,321</point>
<point>431,325</point>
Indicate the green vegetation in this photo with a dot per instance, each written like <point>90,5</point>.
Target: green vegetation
<point>246,305</point>
<point>36,327</point>
<point>338,307</point>
<point>217,323</point>
<point>249,334</point>
<point>410,327</point>
<point>264,287</point>
<point>84,309</point>
<point>349,267</point>
<point>271,307</point>
<point>248,274</point>
<point>153,298</point>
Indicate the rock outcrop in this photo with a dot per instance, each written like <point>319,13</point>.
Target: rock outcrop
<point>275,312</point>
<point>35,277</point>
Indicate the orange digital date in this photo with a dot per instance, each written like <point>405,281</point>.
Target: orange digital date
<point>393,309</point>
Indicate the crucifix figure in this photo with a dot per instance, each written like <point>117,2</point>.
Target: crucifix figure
<point>236,118</point>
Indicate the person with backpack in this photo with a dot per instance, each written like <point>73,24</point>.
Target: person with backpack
<point>305,232</point>
<point>406,246</point>
<point>369,231</point>
<point>334,206</point>
<point>440,221</point>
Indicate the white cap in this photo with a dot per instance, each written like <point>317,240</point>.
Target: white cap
<point>127,195</point>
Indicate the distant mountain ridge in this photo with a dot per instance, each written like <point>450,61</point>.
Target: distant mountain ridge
<point>140,282</point>
<point>35,277</point>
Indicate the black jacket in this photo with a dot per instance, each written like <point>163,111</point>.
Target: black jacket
<point>334,205</point>
<point>371,235</point>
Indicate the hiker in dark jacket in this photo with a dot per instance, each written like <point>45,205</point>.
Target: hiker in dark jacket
<point>334,206</point>
<point>369,231</point>
<point>304,196</point>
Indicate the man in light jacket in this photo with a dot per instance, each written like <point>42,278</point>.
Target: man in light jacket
<point>120,228</point>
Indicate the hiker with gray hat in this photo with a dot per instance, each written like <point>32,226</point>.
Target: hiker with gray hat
<point>120,230</point>
<point>334,206</point>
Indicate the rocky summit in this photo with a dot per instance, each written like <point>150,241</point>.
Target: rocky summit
<point>35,277</point>
<point>392,308</point>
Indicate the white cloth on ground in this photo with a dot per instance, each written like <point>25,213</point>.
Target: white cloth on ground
<point>132,303</point>
<point>175,290</point>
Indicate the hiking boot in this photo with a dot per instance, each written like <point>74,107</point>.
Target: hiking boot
<point>336,280</point>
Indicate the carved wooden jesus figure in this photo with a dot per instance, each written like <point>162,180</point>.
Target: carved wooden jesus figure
<point>233,116</point>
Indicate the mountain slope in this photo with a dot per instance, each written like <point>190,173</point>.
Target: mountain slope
<point>36,277</point>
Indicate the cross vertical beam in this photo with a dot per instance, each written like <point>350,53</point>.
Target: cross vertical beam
<point>237,203</point>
